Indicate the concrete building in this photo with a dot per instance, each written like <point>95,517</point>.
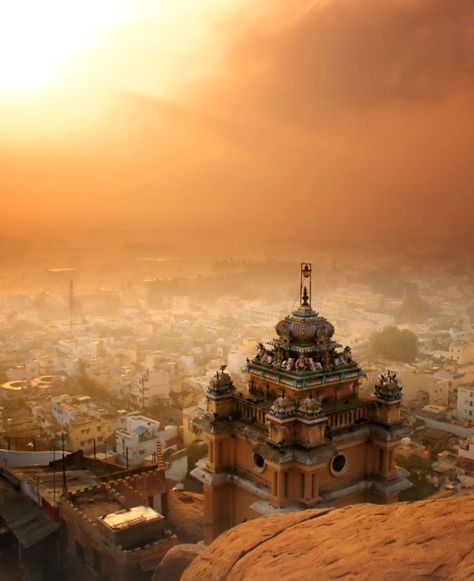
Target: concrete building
<point>87,425</point>
<point>440,392</point>
<point>150,388</point>
<point>465,403</point>
<point>462,352</point>
<point>298,435</point>
<point>137,436</point>
<point>136,439</point>
<point>86,432</point>
<point>64,408</point>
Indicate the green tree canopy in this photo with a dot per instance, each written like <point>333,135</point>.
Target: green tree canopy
<point>393,343</point>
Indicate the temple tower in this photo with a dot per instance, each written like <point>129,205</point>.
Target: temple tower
<point>299,436</point>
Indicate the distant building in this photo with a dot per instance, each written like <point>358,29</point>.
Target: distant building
<point>440,392</point>
<point>433,439</point>
<point>462,352</point>
<point>87,425</point>
<point>466,449</point>
<point>86,432</point>
<point>150,388</point>
<point>408,449</point>
<point>137,437</point>
<point>465,403</point>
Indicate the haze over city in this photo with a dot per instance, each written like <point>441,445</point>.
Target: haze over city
<point>237,123</point>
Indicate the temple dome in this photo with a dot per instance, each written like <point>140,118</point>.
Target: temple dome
<point>283,407</point>
<point>310,407</point>
<point>389,387</point>
<point>221,383</point>
<point>304,326</point>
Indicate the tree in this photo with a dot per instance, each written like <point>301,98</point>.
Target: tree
<point>393,343</point>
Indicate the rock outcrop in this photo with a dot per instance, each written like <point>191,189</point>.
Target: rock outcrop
<point>175,562</point>
<point>431,539</point>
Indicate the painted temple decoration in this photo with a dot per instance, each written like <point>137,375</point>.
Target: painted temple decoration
<point>388,388</point>
<point>299,435</point>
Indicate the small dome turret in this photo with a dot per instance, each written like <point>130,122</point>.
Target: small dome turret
<point>221,383</point>
<point>283,407</point>
<point>310,407</point>
<point>388,388</point>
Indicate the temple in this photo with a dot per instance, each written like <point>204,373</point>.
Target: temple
<point>299,435</point>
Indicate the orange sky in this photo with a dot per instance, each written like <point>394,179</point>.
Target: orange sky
<point>329,120</point>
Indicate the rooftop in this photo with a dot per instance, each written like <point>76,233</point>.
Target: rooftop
<point>130,517</point>
<point>96,502</point>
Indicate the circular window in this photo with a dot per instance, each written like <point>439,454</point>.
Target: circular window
<point>338,464</point>
<point>258,461</point>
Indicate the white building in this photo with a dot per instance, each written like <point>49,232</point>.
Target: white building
<point>137,436</point>
<point>136,439</point>
<point>465,403</point>
<point>150,388</point>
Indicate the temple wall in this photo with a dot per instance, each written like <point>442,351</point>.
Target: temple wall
<point>243,500</point>
<point>356,456</point>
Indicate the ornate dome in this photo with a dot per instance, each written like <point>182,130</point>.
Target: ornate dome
<point>310,407</point>
<point>304,326</point>
<point>221,383</point>
<point>389,388</point>
<point>283,407</point>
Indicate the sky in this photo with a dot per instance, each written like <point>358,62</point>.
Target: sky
<point>238,122</point>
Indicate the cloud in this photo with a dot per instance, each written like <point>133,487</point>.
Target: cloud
<point>356,55</point>
<point>336,120</point>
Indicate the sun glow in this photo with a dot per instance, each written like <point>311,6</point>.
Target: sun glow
<point>45,43</point>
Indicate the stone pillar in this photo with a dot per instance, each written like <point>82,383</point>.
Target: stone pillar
<point>308,492</point>
<point>281,488</point>
<point>315,485</point>
<point>275,483</point>
<point>386,463</point>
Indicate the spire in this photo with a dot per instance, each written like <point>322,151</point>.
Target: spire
<point>305,296</point>
<point>305,282</point>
